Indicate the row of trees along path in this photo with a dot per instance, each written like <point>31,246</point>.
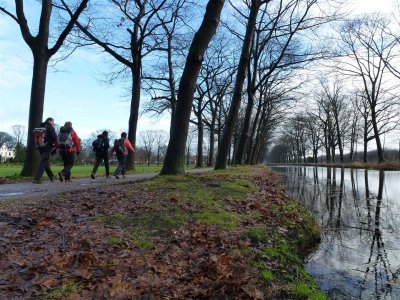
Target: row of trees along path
<point>271,53</point>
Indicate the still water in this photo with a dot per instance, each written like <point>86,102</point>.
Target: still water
<point>359,213</point>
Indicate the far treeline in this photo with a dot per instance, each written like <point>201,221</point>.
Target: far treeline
<point>293,76</point>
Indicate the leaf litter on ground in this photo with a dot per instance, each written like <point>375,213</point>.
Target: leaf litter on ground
<point>146,239</point>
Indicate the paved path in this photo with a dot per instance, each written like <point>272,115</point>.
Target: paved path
<point>28,189</point>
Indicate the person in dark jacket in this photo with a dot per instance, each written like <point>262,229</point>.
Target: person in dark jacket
<point>67,150</point>
<point>100,147</point>
<point>49,147</point>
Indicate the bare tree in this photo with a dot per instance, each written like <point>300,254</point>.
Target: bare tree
<point>42,53</point>
<point>314,134</point>
<point>337,104</point>
<point>230,123</point>
<point>19,132</point>
<point>275,47</point>
<point>364,111</point>
<point>125,30</point>
<point>217,77</point>
<point>367,48</point>
<point>161,144</point>
<point>147,139</point>
<point>174,158</point>
<point>160,80</point>
<point>323,114</point>
<point>190,144</point>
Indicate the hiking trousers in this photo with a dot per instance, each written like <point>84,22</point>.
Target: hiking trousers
<point>121,165</point>
<point>99,158</point>
<point>68,159</point>
<point>44,165</point>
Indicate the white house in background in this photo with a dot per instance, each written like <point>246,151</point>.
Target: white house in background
<point>6,153</point>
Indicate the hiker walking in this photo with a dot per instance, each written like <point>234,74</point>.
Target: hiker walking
<point>100,147</point>
<point>68,145</point>
<point>46,141</point>
<point>121,147</point>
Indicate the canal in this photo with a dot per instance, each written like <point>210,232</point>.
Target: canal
<point>359,213</point>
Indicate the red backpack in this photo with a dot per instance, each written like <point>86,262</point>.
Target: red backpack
<point>39,134</point>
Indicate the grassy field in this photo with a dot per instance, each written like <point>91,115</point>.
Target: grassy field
<point>13,170</point>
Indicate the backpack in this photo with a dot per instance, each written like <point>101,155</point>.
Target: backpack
<point>119,146</point>
<point>98,145</point>
<point>40,134</point>
<point>64,138</point>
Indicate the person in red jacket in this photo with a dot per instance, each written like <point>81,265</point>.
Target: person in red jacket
<point>121,148</point>
<point>68,145</point>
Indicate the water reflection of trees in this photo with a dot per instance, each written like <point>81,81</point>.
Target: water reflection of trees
<point>322,188</point>
<point>378,264</point>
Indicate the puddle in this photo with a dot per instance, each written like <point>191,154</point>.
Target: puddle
<point>11,194</point>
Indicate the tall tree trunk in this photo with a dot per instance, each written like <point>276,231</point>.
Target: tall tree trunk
<point>175,156</point>
<point>256,135</point>
<point>365,157</point>
<point>245,134</point>
<point>134,113</point>
<point>315,156</point>
<point>36,107</point>
<point>365,134</point>
<point>237,93</point>
<point>377,137</point>
<point>41,55</point>
<point>339,137</point>
<point>254,130</point>
<point>200,136</point>
<point>212,143</point>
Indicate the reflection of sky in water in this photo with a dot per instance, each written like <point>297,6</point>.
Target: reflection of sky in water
<point>353,261</point>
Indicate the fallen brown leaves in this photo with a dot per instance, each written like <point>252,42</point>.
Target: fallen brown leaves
<point>47,245</point>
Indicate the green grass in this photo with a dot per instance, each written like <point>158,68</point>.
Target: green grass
<point>10,170</point>
<point>13,170</point>
<point>63,291</point>
<point>207,194</point>
<point>115,241</point>
<point>142,226</point>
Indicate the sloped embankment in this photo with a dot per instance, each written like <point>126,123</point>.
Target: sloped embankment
<point>230,234</point>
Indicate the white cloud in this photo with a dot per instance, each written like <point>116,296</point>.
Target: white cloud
<point>369,6</point>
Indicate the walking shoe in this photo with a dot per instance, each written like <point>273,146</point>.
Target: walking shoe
<point>92,176</point>
<point>116,176</point>
<point>108,176</point>
<point>60,177</point>
<point>123,176</point>
<point>36,181</point>
<point>53,178</point>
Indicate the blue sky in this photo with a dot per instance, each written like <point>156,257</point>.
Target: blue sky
<point>74,93</point>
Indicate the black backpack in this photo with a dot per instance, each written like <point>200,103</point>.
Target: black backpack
<point>64,138</point>
<point>119,146</point>
<point>98,145</point>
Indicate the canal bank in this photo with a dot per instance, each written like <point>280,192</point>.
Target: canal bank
<point>359,213</point>
<point>224,234</point>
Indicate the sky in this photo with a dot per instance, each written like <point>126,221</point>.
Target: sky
<point>74,91</point>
